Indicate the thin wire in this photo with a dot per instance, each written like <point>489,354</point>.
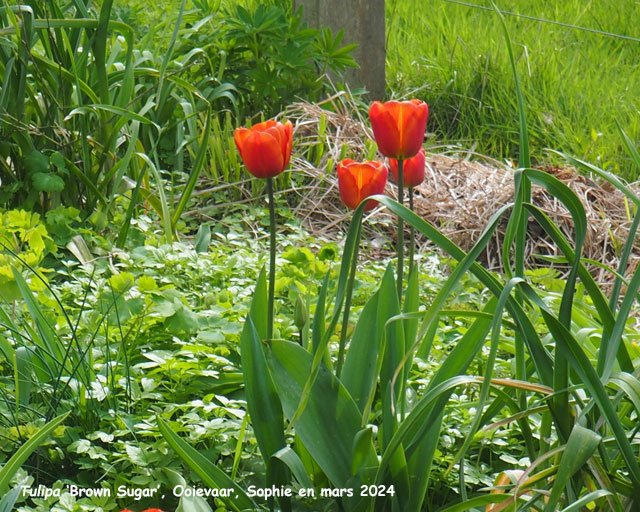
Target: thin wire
<point>544,20</point>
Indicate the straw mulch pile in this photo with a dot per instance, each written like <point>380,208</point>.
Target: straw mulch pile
<point>459,194</point>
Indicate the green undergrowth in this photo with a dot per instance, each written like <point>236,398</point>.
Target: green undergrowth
<point>154,330</point>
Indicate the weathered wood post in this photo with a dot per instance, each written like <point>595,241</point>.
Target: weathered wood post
<point>363,24</point>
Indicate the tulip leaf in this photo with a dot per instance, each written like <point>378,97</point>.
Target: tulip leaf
<point>262,399</point>
<point>393,352</point>
<point>291,459</point>
<point>421,447</point>
<point>539,355</point>
<point>259,305</point>
<point>317,331</point>
<point>330,421</point>
<point>411,305</point>
<point>362,447</point>
<point>360,372</point>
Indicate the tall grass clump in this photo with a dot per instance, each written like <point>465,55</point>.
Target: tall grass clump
<point>96,115</point>
<point>577,84</point>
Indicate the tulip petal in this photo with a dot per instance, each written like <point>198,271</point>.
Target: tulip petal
<point>287,142</point>
<point>262,154</point>
<point>239,135</point>
<point>399,126</point>
<point>265,148</point>
<point>385,129</point>
<point>412,169</point>
<point>358,180</point>
<point>374,185</point>
<point>415,124</point>
<point>348,186</point>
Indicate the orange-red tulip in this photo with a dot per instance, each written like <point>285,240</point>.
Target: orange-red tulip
<point>265,148</point>
<point>358,180</point>
<point>412,169</point>
<point>399,126</point>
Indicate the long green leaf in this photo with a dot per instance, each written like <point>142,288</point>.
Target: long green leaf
<point>599,301</point>
<point>359,374</point>
<point>478,501</point>
<point>211,475</point>
<point>350,251</point>
<point>524,160</point>
<point>586,499</point>
<point>195,170</point>
<point>262,400</point>
<point>580,447</point>
<point>113,109</point>
<point>100,51</point>
<point>607,176</point>
<point>50,342</point>
<point>330,421</point>
<point>539,355</point>
<point>13,464</point>
<point>23,369</point>
<point>588,376</point>
<point>290,458</point>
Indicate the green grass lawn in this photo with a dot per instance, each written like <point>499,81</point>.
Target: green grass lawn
<point>577,84</point>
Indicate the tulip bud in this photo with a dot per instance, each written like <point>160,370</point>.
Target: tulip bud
<point>300,315</point>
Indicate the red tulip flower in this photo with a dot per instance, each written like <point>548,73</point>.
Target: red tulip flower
<point>265,148</point>
<point>399,126</point>
<point>413,170</point>
<point>358,180</point>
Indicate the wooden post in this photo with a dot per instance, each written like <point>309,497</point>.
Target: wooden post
<point>363,24</point>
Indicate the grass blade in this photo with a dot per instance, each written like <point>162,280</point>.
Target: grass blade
<point>195,170</point>
<point>13,464</point>
<point>580,447</point>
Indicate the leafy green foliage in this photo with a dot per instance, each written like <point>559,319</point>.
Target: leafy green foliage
<point>24,235</point>
<point>268,56</point>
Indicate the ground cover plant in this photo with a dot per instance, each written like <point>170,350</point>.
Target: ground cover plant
<point>243,364</point>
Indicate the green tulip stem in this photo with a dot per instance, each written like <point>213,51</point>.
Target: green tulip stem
<point>400,246</point>
<point>412,234</point>
<point>347,304</point>
<point>272,258</point>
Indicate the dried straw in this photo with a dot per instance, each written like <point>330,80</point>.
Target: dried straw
<point>459,194</point>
